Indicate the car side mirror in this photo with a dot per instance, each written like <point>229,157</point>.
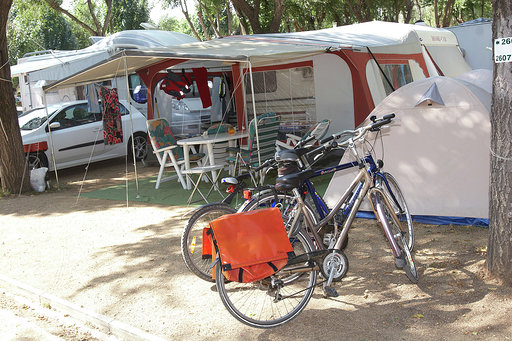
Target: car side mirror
<point>55,125</point>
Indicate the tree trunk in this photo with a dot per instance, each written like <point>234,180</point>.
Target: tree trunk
<point>98,31</point>
<point>436,14</point>
<point>244,27</point>
<point>409,6</point>
<point>448,10</point>
<point>184,10</point>
<point>201,21</point>
<point>278,16</point>
<point>13,171</point>
<point>499,249</point>
<point>252,13</point>
<point>230,20</point>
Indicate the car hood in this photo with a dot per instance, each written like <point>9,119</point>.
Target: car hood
<point>194,104</point>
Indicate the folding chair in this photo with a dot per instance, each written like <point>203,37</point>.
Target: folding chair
<point>219,149</point>
<point>168,153</point>
<point>203,174</point>
<point>254,152</point>
<point>317,131</point>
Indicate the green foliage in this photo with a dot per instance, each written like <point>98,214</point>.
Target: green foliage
<point>169,23</point>
<point>215,13</point>
<point>34,26</point>
<point>82,12</point>
<point>81,35</point>
<point>466,10</point>
<point>128,14</point>
<point>463,10</point>
<point>315,14</point>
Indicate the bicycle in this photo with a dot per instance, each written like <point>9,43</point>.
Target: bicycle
<point>192,236</point>
<point>256,197</point>
<point>282,296</point>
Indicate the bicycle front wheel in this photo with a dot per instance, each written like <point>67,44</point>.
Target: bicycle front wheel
<point>396,199</point>
<point>274,300</point>
<point>192,239</point>
<point>405,260</point>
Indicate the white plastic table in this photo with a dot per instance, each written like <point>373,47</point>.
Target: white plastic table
<point>208,141</point>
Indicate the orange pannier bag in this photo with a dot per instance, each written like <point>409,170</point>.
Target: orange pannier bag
<point>251,245</point>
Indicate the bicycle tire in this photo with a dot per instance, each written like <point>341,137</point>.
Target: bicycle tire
<point>192,238</point>
<point>406,256</point>
<point>399,205</point>
<point>255,303</point>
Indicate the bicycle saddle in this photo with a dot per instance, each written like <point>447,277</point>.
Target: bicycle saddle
<point>288,182</point>
<point>291,154</point>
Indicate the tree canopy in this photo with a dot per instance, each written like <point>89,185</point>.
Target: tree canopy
<point>213,18</point>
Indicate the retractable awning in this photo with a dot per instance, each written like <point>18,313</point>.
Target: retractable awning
<point>218,52</point>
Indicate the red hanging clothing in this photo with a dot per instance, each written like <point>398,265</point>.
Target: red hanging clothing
<point>201,78</point>
<point>112,124</point>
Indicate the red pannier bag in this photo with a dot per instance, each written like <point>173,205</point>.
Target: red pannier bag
<point>251,245</point>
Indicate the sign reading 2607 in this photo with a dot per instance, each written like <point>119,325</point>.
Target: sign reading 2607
<point>503,50</point>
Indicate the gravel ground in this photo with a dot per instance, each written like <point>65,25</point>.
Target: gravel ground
<point>23,319</point>
<point>125,263</point>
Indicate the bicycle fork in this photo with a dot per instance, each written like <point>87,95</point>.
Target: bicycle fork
<point>384,223</point>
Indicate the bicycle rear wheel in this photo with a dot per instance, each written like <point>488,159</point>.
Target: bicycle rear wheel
<point>192,239</point>
<point>274,300</point>
<point>396,199</point>
<point>386,218</point>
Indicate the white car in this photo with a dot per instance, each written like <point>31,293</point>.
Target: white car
<point>77,135</point>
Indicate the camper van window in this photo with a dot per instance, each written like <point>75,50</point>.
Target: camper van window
<point>134,81</point>
<point>398,75</point>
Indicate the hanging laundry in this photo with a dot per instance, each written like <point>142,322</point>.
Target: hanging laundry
<point>93,104</point>
<point>176,85</point>
<point>171,88</point>
<point>112,125</point>
<point>201,78</point>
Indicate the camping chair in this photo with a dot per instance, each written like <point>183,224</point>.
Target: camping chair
<point>317,131</point>
<point>219,149</point>
<point>254,152</point>
<point>168,153</point>
<point>202,172</point>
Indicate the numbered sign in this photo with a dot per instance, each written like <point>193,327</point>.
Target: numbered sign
<point>503,50</point>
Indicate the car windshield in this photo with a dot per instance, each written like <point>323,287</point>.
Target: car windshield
<point>34,118</point>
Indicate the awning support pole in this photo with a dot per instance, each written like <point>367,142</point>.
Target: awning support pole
<point>131,133</point>
<point>51,141</point>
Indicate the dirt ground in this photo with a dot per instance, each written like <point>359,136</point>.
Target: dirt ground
<point>125,263</point>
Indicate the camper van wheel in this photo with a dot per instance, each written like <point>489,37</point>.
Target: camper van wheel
<point>140,146</point>
<point>37,160</point>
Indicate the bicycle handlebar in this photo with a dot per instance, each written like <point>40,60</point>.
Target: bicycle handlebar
<point>327,143</point>
<point>302,143</point>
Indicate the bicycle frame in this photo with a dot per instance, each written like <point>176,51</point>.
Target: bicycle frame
<point>353,197</point>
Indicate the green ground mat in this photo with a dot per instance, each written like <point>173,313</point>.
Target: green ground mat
<point>171,192</point>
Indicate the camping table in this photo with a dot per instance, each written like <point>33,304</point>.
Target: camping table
<point>209,141</point>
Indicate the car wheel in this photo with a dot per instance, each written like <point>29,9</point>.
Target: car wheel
<point>37,160</point>
<point>140,145</point>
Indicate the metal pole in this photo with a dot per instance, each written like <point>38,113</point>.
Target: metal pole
<point>51,141</point>
<point>131,132</point>
<point>255,118</point>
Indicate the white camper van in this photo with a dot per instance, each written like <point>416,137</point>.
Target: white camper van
<point>41,68</point>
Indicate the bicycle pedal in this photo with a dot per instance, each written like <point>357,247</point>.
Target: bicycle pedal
<point>330,292</point>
